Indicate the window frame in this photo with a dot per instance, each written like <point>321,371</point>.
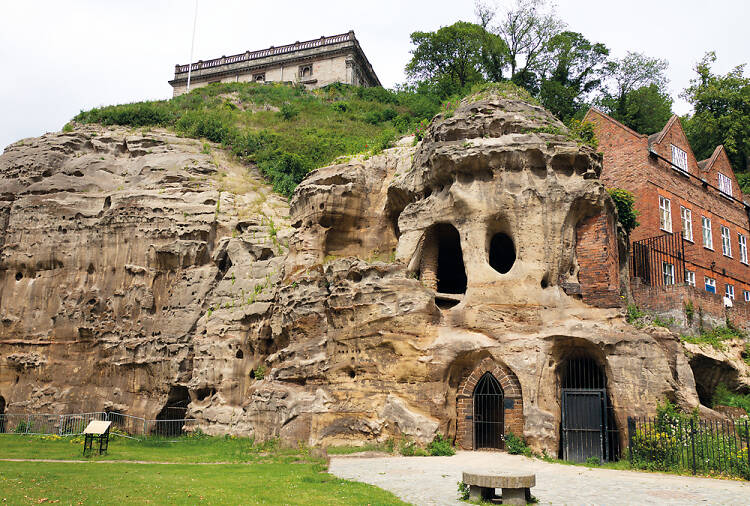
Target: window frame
<point>665,214</point>
<point>746,295</point>
<point>725,182</point>
<point>729,291</point>
<point>726,241</point>
<point>704,229</point>
<point>709,282</point>
<point>690,278</point>
<point>667,272</point>
<point>682,156</point>
<point>686,216</point>
<point>742,241</point>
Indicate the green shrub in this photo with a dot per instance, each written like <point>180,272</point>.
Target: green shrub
<point>634,313</point>
<point>724,397</point>
<point>288,111</point>
<point>516,445</point>
<point>627,214</point>
<point>68,127</point>
<point>260,372</point>
<point>593,461</point>
<point>440,446</point>
<point>410,448</point>
<point>584,131</point>
<point>463,491</point>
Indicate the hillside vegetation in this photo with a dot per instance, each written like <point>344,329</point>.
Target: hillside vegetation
<point>286,130</point>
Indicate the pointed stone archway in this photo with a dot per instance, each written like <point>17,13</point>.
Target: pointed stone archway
<point>512,414</point>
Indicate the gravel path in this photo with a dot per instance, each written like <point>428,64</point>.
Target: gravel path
<point>432,481</point>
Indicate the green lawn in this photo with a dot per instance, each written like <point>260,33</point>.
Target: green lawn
<point>273,476</point>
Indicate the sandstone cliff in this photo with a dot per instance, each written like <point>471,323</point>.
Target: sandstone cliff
<point>140,270</point>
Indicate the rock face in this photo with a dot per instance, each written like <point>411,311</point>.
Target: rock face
<point>139,272</point>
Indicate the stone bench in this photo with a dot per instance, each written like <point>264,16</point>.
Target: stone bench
<point>515,486</point>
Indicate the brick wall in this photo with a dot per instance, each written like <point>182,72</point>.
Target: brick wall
<point>670,301</point>
<point>513,417</point>
<point>628,165</point>
<point>598,261</point>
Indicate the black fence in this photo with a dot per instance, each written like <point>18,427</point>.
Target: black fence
<point>659,261</point>
<point>677,443</point>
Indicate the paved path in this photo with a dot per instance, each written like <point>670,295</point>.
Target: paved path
<point>432,481</point>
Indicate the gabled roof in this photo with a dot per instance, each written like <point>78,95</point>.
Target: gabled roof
<point>659,136</point>
<point>709,162</point>
<point>613,120</point>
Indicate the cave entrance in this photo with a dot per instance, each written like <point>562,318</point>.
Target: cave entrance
<point>502,253</point>
<point>2,414</point>
<point>588,427</point>
<point>171,419</point>
<point>442,268</point>
<point>489,419</point>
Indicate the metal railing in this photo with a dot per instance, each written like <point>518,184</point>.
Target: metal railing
<point>271,51</point>
<point>659,261</point>
<point>687,443</point>
<point>74,424</point>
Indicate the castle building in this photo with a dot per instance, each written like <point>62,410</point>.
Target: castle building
<point>314,63</point>
<point>690,250</point>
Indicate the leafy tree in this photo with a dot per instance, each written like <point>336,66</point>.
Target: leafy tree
<point>624,75</point>
<point>452,57</point>
<point>572,69</point>
<point>525,29</point>
<point>722,109</point>
<point>646,109</point>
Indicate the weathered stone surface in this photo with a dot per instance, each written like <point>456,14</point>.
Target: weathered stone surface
<point>136,271</point>
<point>507,479</point>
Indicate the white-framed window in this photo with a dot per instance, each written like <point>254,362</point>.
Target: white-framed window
<point>726,243</point>
<point>746,295</point>
<point>679,158</point>
<point>710,284</point>
<point>725,184</point>
<point>690,278</point>
<point>743,247</point>
<point>687,223</point>
<point>667,270</point>
<point>729,292</point>
<point>708,241</point>
<point>665,214</point>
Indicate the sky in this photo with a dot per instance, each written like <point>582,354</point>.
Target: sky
<point>61,57</point>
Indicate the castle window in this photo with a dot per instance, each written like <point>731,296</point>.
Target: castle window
<point>726,244</point>
<point>259,78</point>
<point>690,278</point>
<point>679,158</point>
<point>708,241</point>
<point>710,285</point>
<point>667,270</point>
<point>305,71</point>
<point>725,185</point>
<point>687,223</point>
<point>665,214</point>
<point>743,248</point>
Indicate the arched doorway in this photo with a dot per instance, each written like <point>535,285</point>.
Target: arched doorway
<point>442,265</point>
<point>588,425</point>
<point>489,419</point>
<point>2,414</point>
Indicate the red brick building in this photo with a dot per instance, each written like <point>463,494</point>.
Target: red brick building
<point>694,208</point>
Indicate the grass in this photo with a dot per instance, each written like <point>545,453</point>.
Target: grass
<point>715,336</point>
<point>724,397</point>
<point>286,130</point>
<point>269,476</point>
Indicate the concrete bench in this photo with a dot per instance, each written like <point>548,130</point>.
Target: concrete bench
<point>515,486</point>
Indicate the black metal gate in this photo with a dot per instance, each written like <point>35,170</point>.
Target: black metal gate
<point>488,413</point>
<point>583,422</point>
<point>588,428</point>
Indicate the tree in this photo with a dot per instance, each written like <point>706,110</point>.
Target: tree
<point>452,57</point>
<point>629,73</point>
<point>722,112</point>
<point>572,68</point>
<point>525,30</point>
<point>646,109</point>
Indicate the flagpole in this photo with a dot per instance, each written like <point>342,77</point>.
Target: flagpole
<point>192,45</point>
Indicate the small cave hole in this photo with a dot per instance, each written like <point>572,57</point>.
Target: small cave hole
<point>442,267</point>
<point>545,282</point>
<point>445,303</point>
<point>352,374</point>
<point>19,276</point>
<point>239,354</point>
<point>203,393</point>
<point>502,253</point>
<point>91,269</point>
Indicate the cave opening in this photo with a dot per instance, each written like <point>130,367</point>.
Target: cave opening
<point>2,412</point>
<point>442,267</point>
<point>171,419</point>
<point>502,253</point>
<point>239,354</point>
